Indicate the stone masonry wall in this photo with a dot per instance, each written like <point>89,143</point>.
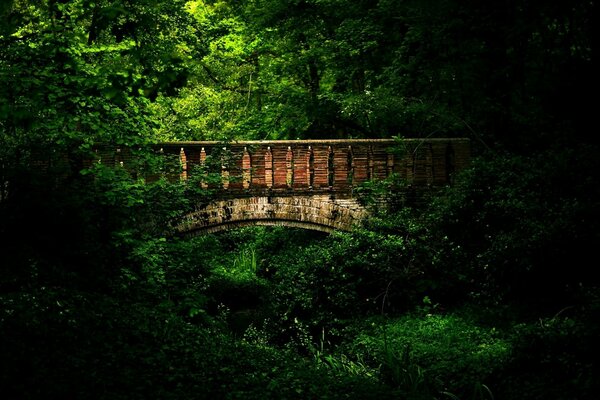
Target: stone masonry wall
<point>318,212</point>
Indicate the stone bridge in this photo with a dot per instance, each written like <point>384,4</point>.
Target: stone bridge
<point>309,184</point>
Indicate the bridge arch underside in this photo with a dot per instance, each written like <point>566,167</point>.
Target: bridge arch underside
<point>320,213</point>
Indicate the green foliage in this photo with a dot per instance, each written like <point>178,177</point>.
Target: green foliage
<point>101,299</point>
<point>246,261</point>
<point>145,350</point>
<point>512,225</point>
<point>342,365</point>
<point>282,69</point>
<point>401,371</point>
<point>425,355</point>
<point>552,358</point>
<point>321,287</point>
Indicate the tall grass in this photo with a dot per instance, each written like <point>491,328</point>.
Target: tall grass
<point>245,261</point>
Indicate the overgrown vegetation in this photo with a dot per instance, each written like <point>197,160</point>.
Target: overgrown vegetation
<point>485,289</point>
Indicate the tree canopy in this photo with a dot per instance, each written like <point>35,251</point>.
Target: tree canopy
<point>512,73</point>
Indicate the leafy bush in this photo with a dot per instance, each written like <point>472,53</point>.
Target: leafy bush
<point>345,276</point>
<point>435,353</point>
<point>513,225</point>
<point>64,344</point>
<point>552,358</point>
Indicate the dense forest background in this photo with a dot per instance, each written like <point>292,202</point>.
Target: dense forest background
<point>486,290</point>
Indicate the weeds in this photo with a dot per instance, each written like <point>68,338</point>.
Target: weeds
<point>245,261</point>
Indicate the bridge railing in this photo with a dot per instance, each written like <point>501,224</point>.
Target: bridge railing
<point>321,165</point>
<point>306,165</point>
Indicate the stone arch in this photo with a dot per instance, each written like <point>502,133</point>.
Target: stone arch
<point>242,224</point>
<point>317,212</point>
